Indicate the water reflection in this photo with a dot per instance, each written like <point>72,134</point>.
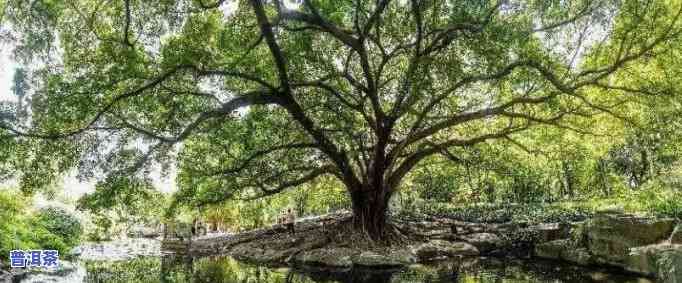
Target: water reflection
<point>225,269</point>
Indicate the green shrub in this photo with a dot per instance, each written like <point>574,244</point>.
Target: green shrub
<point>668,205</point>
<point>60,223</point>
<point>499,213</point>
<point>654,198</point>
<point>45,239</point>
<point>14,224</point>
<point>21,228</point>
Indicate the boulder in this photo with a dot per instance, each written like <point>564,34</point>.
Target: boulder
<point>578,233</point>
<point>442,233</point>
<point>611,236</point>
<point>551,231</point>
<point>404,256</point>
<point>14,275</point>
<point>669,265</point>
<point>4,275</point>
<point>430,229</point>
<point>331,257</point>
<point>430,225</point>
<point>377,260</point>
<point>484,242</point>
<point>661,260</point>
<point>76,251</point>
<point>438,249</point>
<point>676,236</point>
<point>642,260</point>
<point>501,229</point>
<point>260,255</point>
<point>579,256</point>
<point>551,250</point>
<point>564,249</point>
<point>64,268</point>
<point>274,255</point>
<point>476,229</point>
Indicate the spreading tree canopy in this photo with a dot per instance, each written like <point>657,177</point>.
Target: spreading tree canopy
<point>250,98</point>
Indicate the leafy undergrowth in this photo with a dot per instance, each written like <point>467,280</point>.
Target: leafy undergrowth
<point>23,228</point>
<point>500,213</point>
<point>652,199</point>
<point>648,201</point>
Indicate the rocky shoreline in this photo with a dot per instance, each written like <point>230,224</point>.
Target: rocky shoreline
<point>641,245</point>
<point>326,242</point>
<point>646,246</point>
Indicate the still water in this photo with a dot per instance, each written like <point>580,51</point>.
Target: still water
<point>225,269</point>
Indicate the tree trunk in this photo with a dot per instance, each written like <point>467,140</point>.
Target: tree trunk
<point>370,208</point>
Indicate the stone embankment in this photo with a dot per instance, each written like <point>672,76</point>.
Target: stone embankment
<point>326,242</point>
<point>642,245</point>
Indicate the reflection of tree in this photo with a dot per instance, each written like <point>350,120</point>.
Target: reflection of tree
<point>172,269</point>
<point>176,269</point>
<point>361,275</point>
<point>229,270</point>
<point>225,269</point>
<point>139,270</point>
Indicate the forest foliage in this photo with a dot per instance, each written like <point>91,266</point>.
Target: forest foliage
<point>361,105</point>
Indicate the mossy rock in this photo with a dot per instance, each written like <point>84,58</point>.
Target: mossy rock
<point>260,255</point>
<point>328,257</point>
<point>438,249</point>
<point>669,266</point>
<point>578,233</point>
<point>484,242</point>
<point>552,250</point>
<point>611,235</point>
<point>579,256</point>
<point>377,260</point>
<point>564,249</point>
<point>661,260</point>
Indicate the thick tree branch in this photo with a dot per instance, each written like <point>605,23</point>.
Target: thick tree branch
<point>313,174</point>
<point>413,159</point>
<point>262,153</point>
<point>294,108</point>
<point>128,20</point>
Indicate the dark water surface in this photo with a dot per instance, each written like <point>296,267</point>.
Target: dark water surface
<point>225,269</point>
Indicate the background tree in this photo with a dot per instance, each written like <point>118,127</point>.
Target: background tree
<point>253,98</point>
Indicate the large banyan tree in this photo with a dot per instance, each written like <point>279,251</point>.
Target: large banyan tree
<point>250,98</point>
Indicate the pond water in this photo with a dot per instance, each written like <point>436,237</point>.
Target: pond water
<point>226,269</point>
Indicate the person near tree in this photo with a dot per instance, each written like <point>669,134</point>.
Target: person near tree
<point>290,218</point>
